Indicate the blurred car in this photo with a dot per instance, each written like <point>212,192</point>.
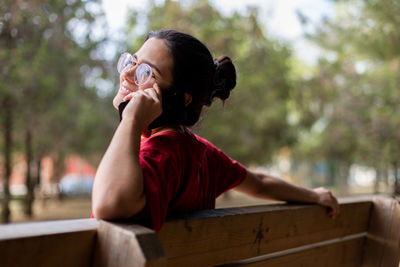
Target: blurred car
<point>76,185</point>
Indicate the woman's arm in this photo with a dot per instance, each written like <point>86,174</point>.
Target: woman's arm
<point>118,185</point>
<point>263,186</point>
<point>118,190</point>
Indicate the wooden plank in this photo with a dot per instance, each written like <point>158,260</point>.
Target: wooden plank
<point>343,254</point>
<point>26,230</point>
<point>382,248</point>
<point>122,244</point>
<point>66,243</point>
<point>234,234</point>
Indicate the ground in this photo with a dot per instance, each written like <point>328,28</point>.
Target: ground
<point>53,209</point>
<point>80,207</point>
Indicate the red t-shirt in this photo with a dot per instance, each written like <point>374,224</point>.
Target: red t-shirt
<point>184,172</point>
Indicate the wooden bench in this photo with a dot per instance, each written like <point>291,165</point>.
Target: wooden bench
<point>366,233</point>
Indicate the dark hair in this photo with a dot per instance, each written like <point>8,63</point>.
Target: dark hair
<point>195,72</point>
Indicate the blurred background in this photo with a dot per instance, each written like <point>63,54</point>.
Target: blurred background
<point>317,99</point>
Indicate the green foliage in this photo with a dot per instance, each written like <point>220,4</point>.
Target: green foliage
<point>344,110</point>
<point>43,61</point>
<point>354,92</point>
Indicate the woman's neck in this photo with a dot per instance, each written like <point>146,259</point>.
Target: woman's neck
<point>163,129</point>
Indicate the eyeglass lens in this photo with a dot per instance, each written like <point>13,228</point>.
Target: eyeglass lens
<point>143,72</point>
<point>124,60</point>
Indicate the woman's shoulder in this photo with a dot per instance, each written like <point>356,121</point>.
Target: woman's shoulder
<point>164,139</point>
<point>169,138</point>
<point>183,139</point>
<point>180,145</point>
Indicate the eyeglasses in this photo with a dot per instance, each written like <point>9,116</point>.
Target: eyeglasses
<point>143,71</point>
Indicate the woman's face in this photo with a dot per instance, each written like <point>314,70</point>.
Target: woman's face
<point>155,53</point>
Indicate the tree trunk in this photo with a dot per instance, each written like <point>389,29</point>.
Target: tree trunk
<point>331,172</point>
<point>38,171</point>
<point>377,180</point>
<point>396,190</point>
<point>29,181</point>
<point>58,170</point>
<point>59,167</point>
<point>385,178</point>
<point>7,126</point>
<point>344,170</point>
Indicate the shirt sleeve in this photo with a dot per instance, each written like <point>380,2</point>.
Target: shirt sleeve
<point>229,173</point>
<point>159,168</point>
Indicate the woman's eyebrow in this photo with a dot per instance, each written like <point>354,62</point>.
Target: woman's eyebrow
<point>150,64</point>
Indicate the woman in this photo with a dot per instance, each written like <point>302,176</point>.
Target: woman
<point>154,164</point>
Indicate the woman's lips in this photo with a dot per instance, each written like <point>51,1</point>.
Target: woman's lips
<point>123,91</point>
<point>125,88</point>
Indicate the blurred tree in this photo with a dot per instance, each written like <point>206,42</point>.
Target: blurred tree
<point>7,95</point>
<point>327,111</point>
<point>50,64</point>
<point>253,125</point>
<point>359,79</point>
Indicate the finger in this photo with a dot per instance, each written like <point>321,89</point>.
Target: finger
<point>330,213</point>
<point>129,97</point>
<point>336,209</point>
<point>333,206</point>
<point>334,212</point>
<point>157,90</point>
<point>153,93</point>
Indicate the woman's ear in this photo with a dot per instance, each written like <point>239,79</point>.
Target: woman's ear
<point>188,99</point>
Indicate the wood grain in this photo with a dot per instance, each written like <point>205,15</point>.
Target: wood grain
<point>382,248</point>
<point>131,245</point>
<point>59,243</point>
<point>235,234</point>
<point>290,235</point>
<point>344,254</point>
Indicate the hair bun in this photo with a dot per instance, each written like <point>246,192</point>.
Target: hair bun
<point>224,78</point>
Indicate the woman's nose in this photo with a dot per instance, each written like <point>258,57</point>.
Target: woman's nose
<point>129,73</point>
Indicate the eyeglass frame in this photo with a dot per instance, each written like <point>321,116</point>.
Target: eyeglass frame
<point>121,69</point>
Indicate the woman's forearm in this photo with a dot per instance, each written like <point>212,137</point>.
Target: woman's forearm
<point>118,185</point>
<point>279,189</point>
<point>264,186</point>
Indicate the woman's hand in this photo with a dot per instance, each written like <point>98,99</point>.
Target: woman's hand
<point>144,107</point>
<point>326,198</point>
